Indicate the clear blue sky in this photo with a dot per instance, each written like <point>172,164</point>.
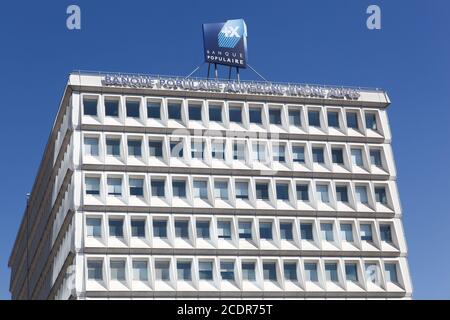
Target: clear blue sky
<point>312,41</point>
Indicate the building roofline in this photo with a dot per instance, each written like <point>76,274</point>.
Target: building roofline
<point>156,76</point>
<point>271,92</point>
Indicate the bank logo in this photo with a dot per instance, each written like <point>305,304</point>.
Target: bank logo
<point>231,32</point>
<point>225,43</point>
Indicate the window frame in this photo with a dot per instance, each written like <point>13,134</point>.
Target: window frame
<point>132,102</point>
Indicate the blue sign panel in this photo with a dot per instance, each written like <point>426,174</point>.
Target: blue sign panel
<point>226,43</point>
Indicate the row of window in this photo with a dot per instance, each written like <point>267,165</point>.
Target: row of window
<point>265,151</point>
<point>242,228</point>
<point>264,115</point>
<point>251,270</point>
<point>209,189</point>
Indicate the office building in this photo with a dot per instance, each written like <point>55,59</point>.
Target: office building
<point>161,187</point>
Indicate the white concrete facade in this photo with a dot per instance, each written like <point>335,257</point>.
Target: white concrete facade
<point>270,197</point>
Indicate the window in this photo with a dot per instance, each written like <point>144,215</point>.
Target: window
<point>227,270</point>
<point>134,147</point>
<point>113,147</point>
<point>337,156</point>
<point>112,108</point>
<point>197,148</point>
<point>218,150</point>
<point>92,186</point>
<point>160,228</point>
<point>182,229</point>
<point>259,152</point>
<point>372,273</point>
<point>136,187</point>
<point>255,115</point>
<point>375,158</point>
<point>174,109</point>
<point>314,118</point>
<point>366,232</point>
<point>245,229</point>
<point>248,271</point>
<point>138,228</point>
<point>95,270</point>
<point>205,270</point>
<point>385,233</point>
<point>352,120</point>
<point>242,190</point>
<point>224,230</point>
<point>203,229</point>
<point>290,271</point>
<point>239,150</point>
<point>279,153</point>
<point>179,189</point>
<point>265,230</point>
<point>269,271</point>
<point>302,192</point>
<point>333,119</point>
<point>371,121</point>
<point>154,109</point>
<point>114,186</point>
<point>286,231</point>
<point>90,106</point>
<point>176,148</point>
<point>311,272</point>
<point>117,269</point>
<point>357,159</point>
<point>162,272</point>
<point>361,194</point>
<point>341,194</point>
<point>380,195</point>
<point>221,190</point>
<point>155,148</point>
<point>158,188</point>
<point>322,193</point>
<point>184,270</point>
<point>262,191</point>
<point>282,191</point>
<point>91,146</point>
<point>140,270</point>
<point>331,272</point>
<point>116,228</point>
<point>200,190</point>
<point>347,232</point>
<point>306,231</point>
<point>215,113</point>
<point>195,112</point>
<point>327,231</point>
<point>390,270</point>
<point>298,154</point>
<point>318,156</point>
<point>351,272</point>
<point>294,118</point>
<point>133,109</point>
<point>275,116</point>
<point>235,114</point>
<point>94,227</point>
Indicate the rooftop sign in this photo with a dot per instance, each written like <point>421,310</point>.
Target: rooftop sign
<point>235,87</point>
<point>226,43</point>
